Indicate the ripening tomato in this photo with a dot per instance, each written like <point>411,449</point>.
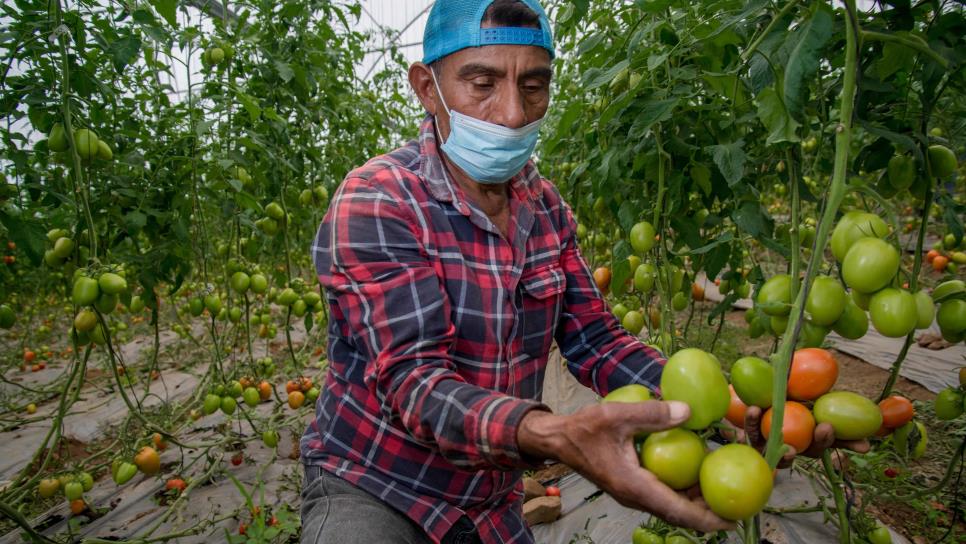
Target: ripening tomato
<point>798,426</point>
<point>853,416</point>
<point>694,376</point>
<point>910,440</point>
<point>296,399</point>
<point>736,410</point>
<point>148,461</point>
<point>674,456</point>
<point>602,278</point>
<point>175,483</point>
<point>752,379</point>
<point>813,373</point>
<point>735,481</point>
<point>896,411</point>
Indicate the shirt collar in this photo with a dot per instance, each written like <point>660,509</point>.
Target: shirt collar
<point>525,185</point>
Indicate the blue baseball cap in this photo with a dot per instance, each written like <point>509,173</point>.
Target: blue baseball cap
<point>455,24</point>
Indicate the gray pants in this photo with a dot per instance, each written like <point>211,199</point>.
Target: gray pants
<point>337,512</point>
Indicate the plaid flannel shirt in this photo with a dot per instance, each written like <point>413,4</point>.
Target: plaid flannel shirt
<point>439,335</point>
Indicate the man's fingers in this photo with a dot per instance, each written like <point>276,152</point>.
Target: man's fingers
<point>788,457</point>
<point>650,416</point>
<point>858,446</point>
<point>675,508</point>
<point>822,439</point>
<point>753,425</point>
<point>731,433</point>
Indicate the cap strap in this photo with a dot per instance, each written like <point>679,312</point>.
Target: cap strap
<point>513,36</point>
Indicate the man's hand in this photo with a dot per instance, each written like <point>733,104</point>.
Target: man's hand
<point>598,442</point>
<point>824,438</point>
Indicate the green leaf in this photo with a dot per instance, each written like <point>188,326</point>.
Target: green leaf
<point>284,71</point>
<point>167,9</point>
<point>654,111</point>
<point>751,218</point>
<point>595,77</point>
<point>620,267</point>
<point>123,51</point>
<point>250,105</point>
<point>730,160</point>
<point>724,239</point>
<point>805,56</point>
<point>27,233</point>
<point>781,127</point>
<point>894,57</point>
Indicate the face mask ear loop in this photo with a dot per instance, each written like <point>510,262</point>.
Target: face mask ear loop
<point>439,91</point>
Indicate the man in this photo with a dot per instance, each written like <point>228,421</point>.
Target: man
<point>450,266</point>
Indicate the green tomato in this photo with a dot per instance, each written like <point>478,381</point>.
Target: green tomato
<point>674,456</point>
<point>85,291</point>
<point>86,480</point>
<point>57,139</point>
<point>694,377</point>
<point>812,335</point>
<point>644,277</point>
<point>925,310</point>
<point>679,301</point>
<point>620,311</point>
<point>234,389</point>
<point>642,237</point>
<point>63,248</point>
<point>861,299</point>
<point>196,306</point>
<point>646,536</point>
<point>853,416</point>
<point>951,316</point>
<point>880,535</point>
<point>106,303</point>
<point>270,438</point>
<point>125,471</point>
<point>213,303</point>
<point>212,404</point>
<point>853,323</point>
<point>228,405</point>
<point>137,304</point>
<point>677,539</point>
<point>778,323</point>
<point>251,396</point>
<point>287,297</point>
<point>949,404</point>
<point>752,378</point>
<point>7,316</point>
<point>629,393</point>
<point>942,160</point>
<point>893,312</point>
<point>910,440</point>
<point>870,265</point>
<point>259,284</point>
<point>854,226</point>
<point>735,481</point>
<point>85,142</point>
<point>775,295</point>
<point>275,211</point>
<point>240,282</point>
<point>826,300</point>
<point>901,171</point>
<point>73,491</point>
<point>633,322</point>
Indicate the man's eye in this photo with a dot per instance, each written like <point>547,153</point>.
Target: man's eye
<point>483,85</point>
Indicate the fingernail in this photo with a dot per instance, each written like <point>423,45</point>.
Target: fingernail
<point>678,411</point>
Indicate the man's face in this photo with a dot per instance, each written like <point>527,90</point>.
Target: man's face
<point>506,85</point>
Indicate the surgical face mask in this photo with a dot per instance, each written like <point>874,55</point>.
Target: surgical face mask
<point>488,153</point>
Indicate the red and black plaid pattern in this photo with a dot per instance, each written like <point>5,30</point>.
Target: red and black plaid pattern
<point>439,334</point>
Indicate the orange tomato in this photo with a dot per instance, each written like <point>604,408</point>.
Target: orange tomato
<point>77,506</point>
<point>896,411</point>
<point>148,461</point>
<point>29,356</point>
<point>291,386</point>
<point>602,278</point>
<point>798,426</point>
<point>175,483</point>
<point>931,255</point>
<point>940,262</point>
<point>159,442</point>
<point>736,410</point>
<point>296,399</point>
<point>264,390</point>
<point>813,374</point>
<point>305,383</point>
<point>245,382</point>
<point>697,292</point>
<point>655,314</point>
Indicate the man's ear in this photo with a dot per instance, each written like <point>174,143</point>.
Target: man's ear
<point>421,80</point>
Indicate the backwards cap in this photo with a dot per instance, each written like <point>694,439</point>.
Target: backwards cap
<point>455,24</point>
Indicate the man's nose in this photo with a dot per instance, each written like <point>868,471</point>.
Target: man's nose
<point>512,113</point>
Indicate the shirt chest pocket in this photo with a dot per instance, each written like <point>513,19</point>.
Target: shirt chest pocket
<point>540,297</point>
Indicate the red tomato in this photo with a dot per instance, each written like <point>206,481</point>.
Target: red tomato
<point>813,374</point>
<point>798,426</point>
<point>553,491</point>
<point>896,411</point>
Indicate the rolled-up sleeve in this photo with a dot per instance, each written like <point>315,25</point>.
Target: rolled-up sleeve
<point>370,258</point>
